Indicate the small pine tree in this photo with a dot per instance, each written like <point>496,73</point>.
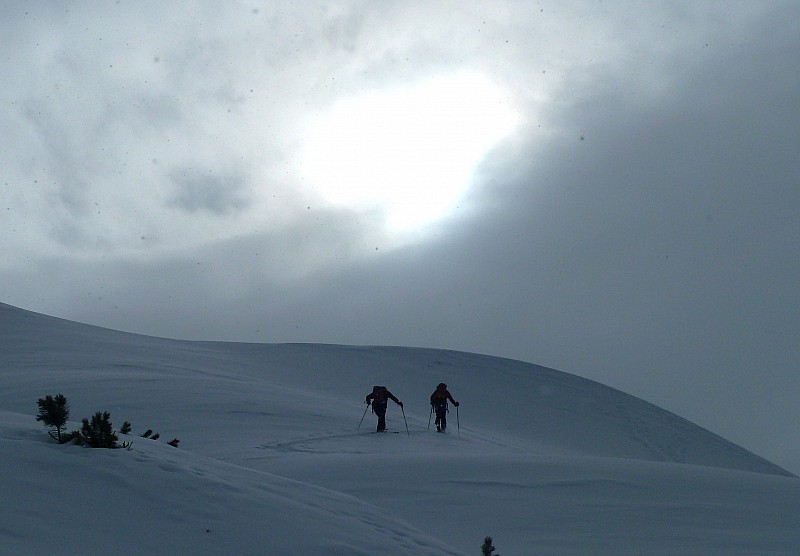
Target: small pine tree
<point>54,412</point>
<point>487,549</point>
<point>173,442</point>
<point>126,428</point>
<point>99,433</point>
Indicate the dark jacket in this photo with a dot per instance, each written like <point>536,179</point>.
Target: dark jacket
<point>441,395</point>
<point>380,395</point>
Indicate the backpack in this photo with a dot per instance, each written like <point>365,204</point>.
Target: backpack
<point>379,394</point>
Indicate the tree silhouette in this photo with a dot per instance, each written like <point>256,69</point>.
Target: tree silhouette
<point>487,549</point>
<point>99,433</point>
<point>54,412</point>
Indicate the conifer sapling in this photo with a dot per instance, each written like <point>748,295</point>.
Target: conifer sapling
<point>487,549</point>
<point>54,412</point>
<point>99,433</point>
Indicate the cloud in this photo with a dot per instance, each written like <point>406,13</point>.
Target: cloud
<point>112,106</point>
<point>196,191</point>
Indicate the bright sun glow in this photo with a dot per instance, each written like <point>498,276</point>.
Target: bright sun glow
<point>410,153</point>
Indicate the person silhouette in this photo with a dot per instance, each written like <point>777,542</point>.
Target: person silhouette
<point>379,399</point>
<point>439,404</point>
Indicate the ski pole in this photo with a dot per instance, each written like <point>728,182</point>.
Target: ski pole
<point>362,417</point>
<point>429,418</point>
<point>458,422</point>
<point>404,420</point>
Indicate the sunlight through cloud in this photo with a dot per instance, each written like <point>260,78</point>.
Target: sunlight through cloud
<point>407,152</point>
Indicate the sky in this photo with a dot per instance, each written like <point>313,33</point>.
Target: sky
<point>608,189</point>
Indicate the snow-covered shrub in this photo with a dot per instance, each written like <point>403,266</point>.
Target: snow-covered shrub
<point>97,433</point>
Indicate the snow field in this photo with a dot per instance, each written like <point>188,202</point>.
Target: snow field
<point>271,460</point>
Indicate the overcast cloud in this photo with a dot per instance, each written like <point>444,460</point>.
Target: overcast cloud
<point>639,226</point>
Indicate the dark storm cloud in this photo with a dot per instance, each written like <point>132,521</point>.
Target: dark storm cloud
<point>195,190</point>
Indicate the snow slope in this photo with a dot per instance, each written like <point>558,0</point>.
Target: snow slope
<point>271,459</point>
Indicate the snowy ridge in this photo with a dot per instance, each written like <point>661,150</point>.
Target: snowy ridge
<point>271,459</point>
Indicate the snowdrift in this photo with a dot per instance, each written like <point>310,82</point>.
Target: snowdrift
<point>272,460</point>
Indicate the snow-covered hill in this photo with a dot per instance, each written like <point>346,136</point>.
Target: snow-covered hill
<point>271,459</point>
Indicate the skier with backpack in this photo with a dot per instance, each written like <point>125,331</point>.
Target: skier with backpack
<point>379,399</point>
<point>439,405</point>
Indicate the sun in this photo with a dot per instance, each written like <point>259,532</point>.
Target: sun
<point>407,153</point>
